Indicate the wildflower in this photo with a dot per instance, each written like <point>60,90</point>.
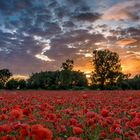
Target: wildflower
<point>5,128</point>
<point>130,99</point>
<point>118,130</point>
<point>26,111</point>
<point>117,139</point>
<point>74,138</point>
<point>85,96</point>
<point>25,129</point>
<point>16,114</point>
<point>7,138</point>
<point>103,134</point>
<point>104,113</point>
<point>41,133</point>
<point>77,130</point>
<point>3,117</point>
<point>73,121</point>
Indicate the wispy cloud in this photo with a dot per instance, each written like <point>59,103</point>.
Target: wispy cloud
<point>128,10</point>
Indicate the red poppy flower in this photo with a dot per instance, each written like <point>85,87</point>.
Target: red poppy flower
<point>74,138</point>
<point>104,112</point>
<point>85,96</point>
<point>77,130</point>
<point>16,114</point>
<point>118,130</point>
<point>41,133</point>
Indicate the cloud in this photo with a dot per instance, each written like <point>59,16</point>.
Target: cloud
<point>132,31</point>
<point>134,53</point>
<point>87,16</point>
<point>128,10</point>
<point>126,41</point>
<point>46,46</point>
<point>41,34</point>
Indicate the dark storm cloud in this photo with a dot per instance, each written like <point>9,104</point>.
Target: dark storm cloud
<point>75,1</point>
<point>134,31</point>
<point>77,36</point>
<point>127,32</point>
<point>10,6</point>
<point>87,16</point>
<point>68,24</point>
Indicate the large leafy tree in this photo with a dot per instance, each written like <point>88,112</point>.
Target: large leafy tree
<point>44,80</point>
<point>12,84</point>
<point>66,74</point>
<point>79,79</point>
<point>107,68</point>
<point>5,74</point>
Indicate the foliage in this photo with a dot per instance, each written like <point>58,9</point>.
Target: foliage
<point>44,80</point>
<point>107,68</point>
<point>15,84</point>
<point>5,74</point>
<point>64,79</point>
<point>68,65</point>
<point>67,78</point>
<point>133,83</point>
<point>22,84</point>
<point>12,84</point>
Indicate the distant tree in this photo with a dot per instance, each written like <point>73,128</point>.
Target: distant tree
<point>5,74</point>
<point>71,79</point>
<point>68,65</point>
<point>67,78</point>
<point>22,84</point>
<point>44,80</point>
<point>37,80</point>
<point>79,80</point>
<point>12,84</point>
<point>107,68</point>
<point>133,83</point>
<point>66,74</point>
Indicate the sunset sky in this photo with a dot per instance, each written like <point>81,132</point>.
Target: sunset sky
<point>39,35</point>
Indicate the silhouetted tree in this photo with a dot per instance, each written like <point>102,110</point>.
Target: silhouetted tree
<point>22,84</point>
<point>107,68</point>
<point>79,80</point>
<point>5,74</point>
<point>44,80</point>
<point>66,74</point>
<point>64,79</point>
<point>68,65</point>
<point>71,79</point>
<point>133,83</point>
<point>12,84</point>
<point>37,80</point>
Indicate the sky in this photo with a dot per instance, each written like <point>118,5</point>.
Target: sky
<point>38,35</point>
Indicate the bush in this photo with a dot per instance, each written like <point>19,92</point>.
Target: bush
<point>12,84</point>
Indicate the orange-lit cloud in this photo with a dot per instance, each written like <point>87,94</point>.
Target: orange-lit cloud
<point>126,41</point>
<point>131,66</point>
<point>128,10</point>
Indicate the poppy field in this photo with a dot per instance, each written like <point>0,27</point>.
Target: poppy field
<point>69,115</point>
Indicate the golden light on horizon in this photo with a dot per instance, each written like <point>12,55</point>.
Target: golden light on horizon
<point>88,74</point>
<point>24,77</point>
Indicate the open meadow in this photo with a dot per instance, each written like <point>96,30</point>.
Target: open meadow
<point>69,115</point>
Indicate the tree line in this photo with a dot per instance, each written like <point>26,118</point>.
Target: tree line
<point>107,75</point>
